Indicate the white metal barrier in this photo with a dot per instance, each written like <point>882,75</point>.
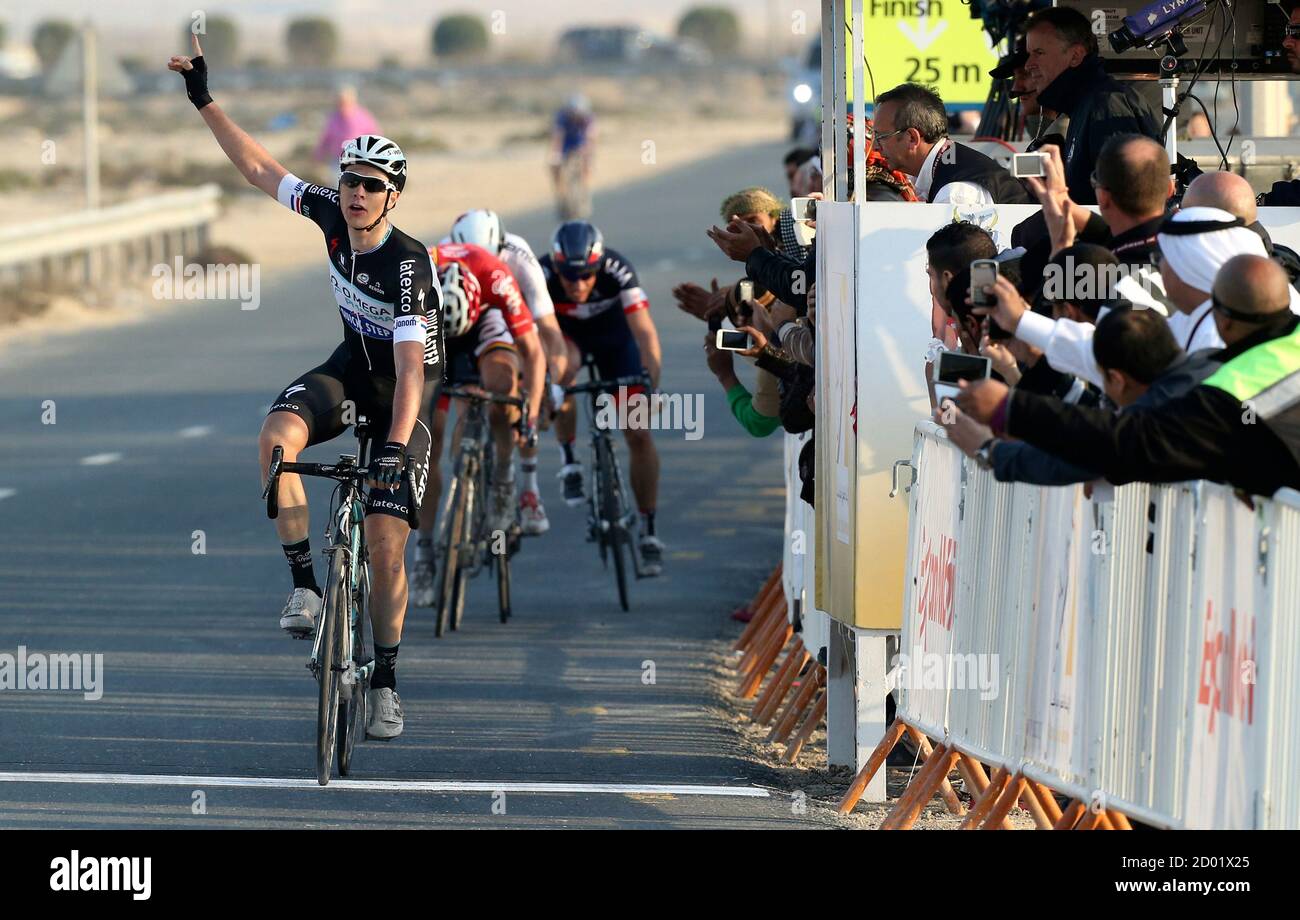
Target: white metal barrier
<point>1139,647</point>
<point>123,238</point>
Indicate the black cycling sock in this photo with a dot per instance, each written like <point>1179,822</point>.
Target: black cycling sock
<point>648,523</point>
<point>385,668</point>
<point>566,449</point>
<point>299,556</point>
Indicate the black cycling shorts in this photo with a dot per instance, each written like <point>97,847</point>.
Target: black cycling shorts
<point>608,338</point>
<point>331,397</point>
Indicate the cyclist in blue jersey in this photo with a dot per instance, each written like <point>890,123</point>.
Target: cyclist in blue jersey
<point>388,368</point>
<point>573,138</point>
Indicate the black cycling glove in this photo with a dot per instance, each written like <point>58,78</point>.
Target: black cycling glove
<point>196,82</point>
<point>388,464</point>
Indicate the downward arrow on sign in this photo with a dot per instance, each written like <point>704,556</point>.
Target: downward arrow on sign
<point>922,36</point>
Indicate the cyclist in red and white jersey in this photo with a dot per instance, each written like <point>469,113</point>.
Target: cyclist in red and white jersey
<point>491,342</point>
<point>484,228</point>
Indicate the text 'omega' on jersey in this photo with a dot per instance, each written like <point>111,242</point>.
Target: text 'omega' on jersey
<point>385,295</point>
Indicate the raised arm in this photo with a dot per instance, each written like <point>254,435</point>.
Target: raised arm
<point>250,158</point>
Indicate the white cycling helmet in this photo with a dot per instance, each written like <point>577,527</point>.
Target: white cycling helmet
<point>379,152</point>
<point>578,104</point>
<point>480,227</point>
<point>460,299</point>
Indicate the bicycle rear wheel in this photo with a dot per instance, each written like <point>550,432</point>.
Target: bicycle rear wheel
<point>611,511</point>
<point>352,713</point>
<point>333,621</point>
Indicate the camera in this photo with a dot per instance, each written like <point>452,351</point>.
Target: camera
<point>1157,23</point>
<point>1029,164</point>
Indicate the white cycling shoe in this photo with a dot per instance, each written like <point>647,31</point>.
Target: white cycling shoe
<point>532,516</point>
<point>298,618</point>
<point>385,708</point>
<point>652,556</point>
<point>501,506</point>
<point>570,476</point>
<point>422,584</point>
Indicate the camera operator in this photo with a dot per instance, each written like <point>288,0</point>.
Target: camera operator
<point>1067,70</point>
<point>1043,125</point>
<point>1240,426</point>
<point>912,133</point>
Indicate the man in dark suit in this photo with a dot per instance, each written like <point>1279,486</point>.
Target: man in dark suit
<point>912,133</point>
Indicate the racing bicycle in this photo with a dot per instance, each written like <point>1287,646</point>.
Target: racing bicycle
<point>339,662</point>
<point>611,518</point>
<point>465,544</point>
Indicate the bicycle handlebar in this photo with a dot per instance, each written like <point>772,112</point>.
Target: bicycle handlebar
<point>609,386</point>
<point>519,402</point>
<point>483,396</point>
<point>340,472</point>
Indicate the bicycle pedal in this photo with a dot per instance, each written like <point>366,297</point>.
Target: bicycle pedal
<point>301,633</point>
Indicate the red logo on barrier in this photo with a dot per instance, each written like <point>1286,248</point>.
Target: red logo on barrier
<point>1227,669</point>
<point>938,577</point>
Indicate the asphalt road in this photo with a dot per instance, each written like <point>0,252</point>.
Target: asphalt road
<point>154,439</point>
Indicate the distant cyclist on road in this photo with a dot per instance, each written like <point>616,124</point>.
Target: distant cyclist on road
<point>604,313</point>
<point>484,228</point>
<point>573,144</point>
<point>491,339</point>
<point>388,368</point>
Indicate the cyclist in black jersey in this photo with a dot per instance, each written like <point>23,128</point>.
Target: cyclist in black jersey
<point>604,312</point>
<point>388,368</point>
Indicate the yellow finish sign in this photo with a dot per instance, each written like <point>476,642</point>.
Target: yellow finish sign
<point>932,42</point>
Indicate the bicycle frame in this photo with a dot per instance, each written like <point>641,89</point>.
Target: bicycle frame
<point>345,536</point>
<point>622,527</point>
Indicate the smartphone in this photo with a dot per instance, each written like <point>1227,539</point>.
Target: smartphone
<point>1028,164</point>
<point>983,273</point>
<point>733,340</point>
<point>953,366</point>
<point>746,290</point>
<point>803,208</point>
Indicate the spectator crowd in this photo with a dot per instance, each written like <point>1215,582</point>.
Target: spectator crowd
<point>1142,326</point>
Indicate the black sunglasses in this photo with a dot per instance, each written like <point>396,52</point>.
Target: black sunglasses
<point>371,184</point>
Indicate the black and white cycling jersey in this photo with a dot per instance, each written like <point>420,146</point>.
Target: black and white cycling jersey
<point>385,295</point>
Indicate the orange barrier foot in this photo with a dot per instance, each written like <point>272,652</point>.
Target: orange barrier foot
<point>798,705</point>
<point>805,731</point>
<point>774,695</point>
<point>863,779</point>
<point>981,807</point>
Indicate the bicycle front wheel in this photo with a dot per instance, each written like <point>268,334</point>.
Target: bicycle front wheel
<point>611,512</point>
<point>352,714</point>
<point>329,665</point>
<point>455,525</point>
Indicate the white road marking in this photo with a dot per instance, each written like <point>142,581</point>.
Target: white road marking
<point>5,493</point>
<point>100,459</point>
<point>196,431</point>
<point>355,785</point>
